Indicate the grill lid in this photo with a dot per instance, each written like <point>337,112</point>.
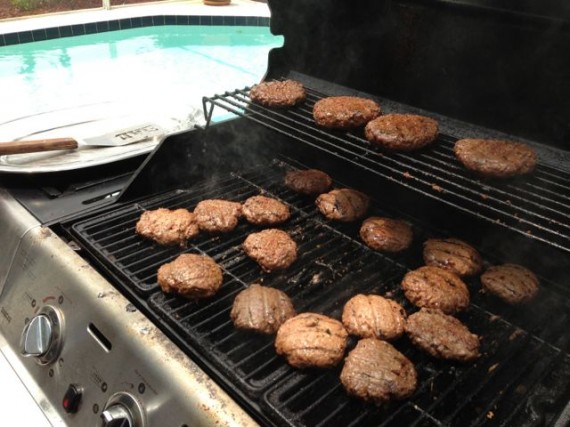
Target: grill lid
<point>500,64</point>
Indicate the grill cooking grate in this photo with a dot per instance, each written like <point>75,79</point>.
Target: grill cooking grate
<point>524,365</point>
<point>537,206</point>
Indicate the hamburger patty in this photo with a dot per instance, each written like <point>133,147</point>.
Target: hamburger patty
<point>272,249</point>
<point>191,275</point>
<point>453,255</point>
<point>168,227</point>
<point>495,158</point>
<point>373,316</point>
<point>261,309</point>
<point>434,287</point>
<point>344,112</point>
<point>513,283</point>
<point>285,93</point>
<point>261,210</point>
<point>376,372</point>
<point>386,234</point>
<point>311,340</point>
<point>401,132</point>
<point>442,336</point>
<point>310,181</point>
<point>344,205</point>
<point>217,216</point>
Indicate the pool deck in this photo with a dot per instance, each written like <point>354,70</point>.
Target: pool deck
<point>184,8</point>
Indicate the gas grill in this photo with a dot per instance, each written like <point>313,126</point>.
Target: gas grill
<point>199,368</point>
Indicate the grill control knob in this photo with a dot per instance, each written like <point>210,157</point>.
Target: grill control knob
<point>123,410</point>
<point>42,336</point>
<point>117,416</point>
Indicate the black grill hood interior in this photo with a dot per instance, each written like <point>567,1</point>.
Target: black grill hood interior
<point>499,64</point>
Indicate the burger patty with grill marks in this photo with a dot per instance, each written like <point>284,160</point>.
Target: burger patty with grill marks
<point>402,132</point>
<point>261,210</point>
<point>217,216</point>
<point>191,275</point>
<point>272,249</point>
<point>168,227</point>
<point>386,234</point>
<point>344,204</point>
<point>285,93</point>
<point>310,181</point>
<point>344,112</point>
<point>311,340</point>
<point>376,372</point>
<point>495,158</point>
<point>373,316</point>
<point>442,336</point>
<point>261,309</point>
<point>513,283</point>
<point>434,287</point>
<point>454,255</point>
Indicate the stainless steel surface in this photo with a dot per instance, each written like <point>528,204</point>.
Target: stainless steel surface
<point>109,347</point>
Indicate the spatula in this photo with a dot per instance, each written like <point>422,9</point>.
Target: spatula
<point>113,139</point>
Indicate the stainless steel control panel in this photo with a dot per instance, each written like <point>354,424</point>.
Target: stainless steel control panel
<point>89,357</point>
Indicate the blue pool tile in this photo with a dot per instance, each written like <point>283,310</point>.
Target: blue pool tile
<point>264,21</point>
<point>138,22</point>
<point>251,20</point>
<point>125,23</point>
<point>65,31</point>
<point>158,20</point>
<point>205,20</point>
<point>194,20</point>
<point>114,25</point>
<point>146,21</point>
<point>25,37</point>
<point>217,20</point>
<point>170,20</point>
<point>52,33</point>
<point>78,29</point>
<point>102,26</point>
<point>39,35</point>
<point>229,20</point>
<point>2,40</point>
<point>11,38</point>
<point>240,20</point>
<point>90,28</point>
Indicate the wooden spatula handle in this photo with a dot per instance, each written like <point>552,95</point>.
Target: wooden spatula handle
<point>20,147</point>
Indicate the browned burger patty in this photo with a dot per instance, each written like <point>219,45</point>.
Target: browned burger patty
<point>217,216</point>
<point>272,249</point>
<point>261,309</point>
<point>285,93</point>
<point>513,283</point>
<point>434,287</point>
<point>442,336</point>
<point>311,340</point>
<point>386,234</point>
<point>168,227</point>
<point>454,255</point>
<point>401,132</point>
<point>344,205</point>
<point>261,210</point>
<point>190,275</point>
<point>344,112</point>
<point>373,316</point>
<point>376,372</point>
<point>310,181</point>
<point>495,158</point>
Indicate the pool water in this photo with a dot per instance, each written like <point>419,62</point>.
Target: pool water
<point>160,72</point>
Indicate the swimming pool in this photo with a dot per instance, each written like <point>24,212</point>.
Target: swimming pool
<point>91,83</point>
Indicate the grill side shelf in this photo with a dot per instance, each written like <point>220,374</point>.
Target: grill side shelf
<point>536,206</point>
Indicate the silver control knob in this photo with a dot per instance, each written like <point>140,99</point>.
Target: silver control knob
<point>117,416</point>
<point>37,336</point>
<point>123,410</point>
<point>42,337</point>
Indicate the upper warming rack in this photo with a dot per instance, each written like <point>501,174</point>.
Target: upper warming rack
<point>537,205</point>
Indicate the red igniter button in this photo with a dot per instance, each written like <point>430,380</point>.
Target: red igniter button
<point>72,398</point>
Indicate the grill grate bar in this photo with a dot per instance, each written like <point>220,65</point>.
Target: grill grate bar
<point>526,212</point>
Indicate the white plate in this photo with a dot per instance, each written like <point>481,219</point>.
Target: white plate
<point>88,121</point>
